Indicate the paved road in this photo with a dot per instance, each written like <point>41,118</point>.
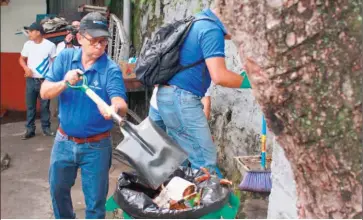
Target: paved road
<point>24,185</point>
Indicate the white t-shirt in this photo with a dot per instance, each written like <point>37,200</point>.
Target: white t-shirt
<point>61,46</point>
<point>39,56</point>
<point>207,93</point>
<point>153,101</point>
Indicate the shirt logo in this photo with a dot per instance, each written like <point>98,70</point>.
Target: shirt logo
<point>95,85</point>
<point>99,22</point>
<point>43,67</point>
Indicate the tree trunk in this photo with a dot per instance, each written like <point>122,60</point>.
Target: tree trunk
<point>304,61</point>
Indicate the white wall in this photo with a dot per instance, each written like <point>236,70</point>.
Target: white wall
<point>283,198</point>
<point>14,17</point>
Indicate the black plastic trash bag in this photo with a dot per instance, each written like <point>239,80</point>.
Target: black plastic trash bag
<point>136,199</point>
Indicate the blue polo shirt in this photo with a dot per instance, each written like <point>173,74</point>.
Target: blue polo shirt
<point>78,114</point>
<point>204,40</point>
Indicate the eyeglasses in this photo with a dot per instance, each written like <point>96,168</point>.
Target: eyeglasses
<point>94,42</point>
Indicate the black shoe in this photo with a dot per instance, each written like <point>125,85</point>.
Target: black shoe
<point>27,135</point>
<point>48,132</point>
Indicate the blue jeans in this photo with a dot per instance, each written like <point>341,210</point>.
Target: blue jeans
<point>31,96</point>
<point>94,160</point>
<point>182,113</point>
<point>154,116</point>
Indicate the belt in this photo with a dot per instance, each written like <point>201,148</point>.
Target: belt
<point>39,79</point>
<point>169,86</point>
<point>95,138</point>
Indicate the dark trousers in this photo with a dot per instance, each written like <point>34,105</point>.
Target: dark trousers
<point>32,95</point>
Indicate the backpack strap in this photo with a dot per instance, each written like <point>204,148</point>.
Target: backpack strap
<point>203,18</point>
<point>201,60</point>
<point>193,64</point>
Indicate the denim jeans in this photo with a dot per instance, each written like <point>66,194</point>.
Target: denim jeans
<point>154,116</point>
<point>94,160</point>
<point>182,113</point>
<point>32,95</point>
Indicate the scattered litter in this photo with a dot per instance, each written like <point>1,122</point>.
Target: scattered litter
<point>188,193</point>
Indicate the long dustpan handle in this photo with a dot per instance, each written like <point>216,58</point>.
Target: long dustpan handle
<point>263,143</point>
<point>90,93</point>
<point>126,126</point>
<point>105,106</point>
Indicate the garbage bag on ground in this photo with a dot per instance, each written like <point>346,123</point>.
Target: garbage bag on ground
<point>137,199</point>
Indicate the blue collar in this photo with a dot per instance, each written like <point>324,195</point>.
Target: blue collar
<point>207,12</point>
<point>99,65</point>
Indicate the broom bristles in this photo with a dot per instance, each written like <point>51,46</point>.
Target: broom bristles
<point>259,181</point>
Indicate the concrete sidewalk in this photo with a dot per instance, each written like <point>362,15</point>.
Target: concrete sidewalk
<point>24,185</point>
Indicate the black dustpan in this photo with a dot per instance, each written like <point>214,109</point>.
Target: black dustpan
<point>151,152</point>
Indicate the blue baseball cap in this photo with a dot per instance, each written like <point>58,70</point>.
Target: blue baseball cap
<point>35,27</point>
<point>95,24</point>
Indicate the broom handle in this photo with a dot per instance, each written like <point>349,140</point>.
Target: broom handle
<point>263,143</point>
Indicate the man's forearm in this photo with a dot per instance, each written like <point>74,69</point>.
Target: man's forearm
<point>229,79</point>
<point>120,104</point>
<point>23,63</point>
<point>206,106</point>
<point>51,90</point>
<point>221,75</point>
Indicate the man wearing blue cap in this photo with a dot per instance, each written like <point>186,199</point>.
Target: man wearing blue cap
<point>83,139</point>
<point>36,58</point>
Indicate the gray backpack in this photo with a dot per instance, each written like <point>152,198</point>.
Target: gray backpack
<point>158,61</point>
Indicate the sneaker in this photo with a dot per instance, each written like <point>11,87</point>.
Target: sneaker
<point>48,132</point>
<point>27,135</point>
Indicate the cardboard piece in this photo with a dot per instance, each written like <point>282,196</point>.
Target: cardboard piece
<point>176,190</point>
<point>127,70</point>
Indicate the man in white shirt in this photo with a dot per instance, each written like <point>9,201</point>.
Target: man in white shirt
<point>70,41</point>
<point>154,111</point>
<point>36,59</point>
<point>207,102</point>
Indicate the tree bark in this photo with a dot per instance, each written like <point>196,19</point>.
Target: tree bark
<point>304,61</point>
